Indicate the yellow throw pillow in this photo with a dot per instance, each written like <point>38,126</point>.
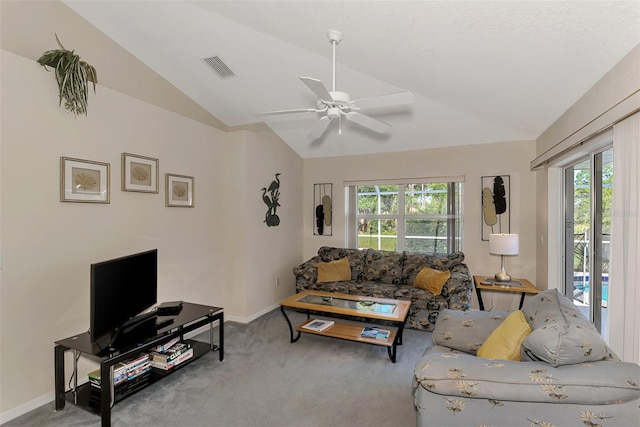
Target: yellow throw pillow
<point>334,271</point>
<point>505,341</point>
<point>431,280</point>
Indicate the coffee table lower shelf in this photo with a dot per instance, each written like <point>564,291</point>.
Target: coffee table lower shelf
<point>349,332</point>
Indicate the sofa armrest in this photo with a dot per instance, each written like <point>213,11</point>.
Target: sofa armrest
<point>466,330</point>
<point>306,273</point>
<point>465,375</point>
<point>458,289</point>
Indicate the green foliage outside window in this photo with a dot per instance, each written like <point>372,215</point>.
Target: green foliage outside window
<point>424,214</point>
<point>582,211</point>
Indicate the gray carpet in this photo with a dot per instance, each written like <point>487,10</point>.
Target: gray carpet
<point>267,381</point>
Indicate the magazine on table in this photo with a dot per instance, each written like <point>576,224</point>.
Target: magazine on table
<point>374,332</point>
<point>319,325</point>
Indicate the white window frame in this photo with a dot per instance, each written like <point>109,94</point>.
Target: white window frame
<point>454,242</point>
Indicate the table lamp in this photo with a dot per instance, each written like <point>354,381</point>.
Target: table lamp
<point>503,244</point>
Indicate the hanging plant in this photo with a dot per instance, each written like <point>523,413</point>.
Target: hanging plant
<point>72,75</point>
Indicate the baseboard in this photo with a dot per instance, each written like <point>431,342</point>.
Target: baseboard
<point>11,414</point>
<point>253,317</point>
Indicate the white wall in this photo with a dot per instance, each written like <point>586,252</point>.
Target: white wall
<point>472,162</point>
<point>47,245</point>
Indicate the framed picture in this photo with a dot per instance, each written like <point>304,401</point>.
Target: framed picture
<point>139,173</point>
<point>180,191</point>
<point>84,181</point>
<point>496,200</point>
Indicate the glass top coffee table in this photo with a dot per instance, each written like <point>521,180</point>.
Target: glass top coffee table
<point>353,307</point>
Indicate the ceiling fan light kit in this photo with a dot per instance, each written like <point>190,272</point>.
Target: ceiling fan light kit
<point>337,104</point>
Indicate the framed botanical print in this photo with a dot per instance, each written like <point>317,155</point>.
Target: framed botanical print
<point>139,173</point>
<point>180,191</point>
<point>84,181</point>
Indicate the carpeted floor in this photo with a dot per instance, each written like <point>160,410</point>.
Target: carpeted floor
<point>267,381</point>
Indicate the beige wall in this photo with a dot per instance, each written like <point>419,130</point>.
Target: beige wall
<point>606,102</point>
<point>273,251</point>
<point>47,245</point>
<point>472,162</point>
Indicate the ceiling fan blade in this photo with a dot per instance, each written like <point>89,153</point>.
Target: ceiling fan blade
<point>388,100</point>
<point>319,128</point>
<point>368,122</point>
<point>317,87</point>
<point>298,110</point>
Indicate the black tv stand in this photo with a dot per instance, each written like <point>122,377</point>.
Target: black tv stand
<point>190,318</point>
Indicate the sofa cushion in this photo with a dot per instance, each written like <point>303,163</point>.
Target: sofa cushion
<point>334,271</point>
<point>505,341</point>
<point>466,330</point>
<point>560,335</point>
<point>355,256</point>
<point>432,280</point>
<point>383,266</point>
<point>372,289</point>
<point>414,262</point>
<point>341,287</point>
<point>452,374</point>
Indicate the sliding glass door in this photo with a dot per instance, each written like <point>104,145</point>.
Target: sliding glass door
<point>588,198</point>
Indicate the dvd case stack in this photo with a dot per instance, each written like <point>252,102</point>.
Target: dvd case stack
<point>128,377</point>
<point>171,356</point>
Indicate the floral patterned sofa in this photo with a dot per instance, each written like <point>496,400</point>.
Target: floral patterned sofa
<point>566,376</point>
<point>386,274</point>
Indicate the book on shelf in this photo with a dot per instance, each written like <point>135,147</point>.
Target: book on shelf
<point>375,332</point>
<point>119,375</point>
<point>170,354</point>
<point>318,325</point>
<point>166,346</point>
<point>167,366</point>
<point>124,371</point>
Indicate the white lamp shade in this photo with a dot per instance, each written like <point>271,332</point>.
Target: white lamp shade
<point>503,244</point>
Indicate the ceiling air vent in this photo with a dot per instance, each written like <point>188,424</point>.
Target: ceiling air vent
<point>221,69</point>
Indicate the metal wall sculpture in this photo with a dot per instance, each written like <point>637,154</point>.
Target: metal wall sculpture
<point>322,208</point>
<point>271,200</point>
<point>496,214</point>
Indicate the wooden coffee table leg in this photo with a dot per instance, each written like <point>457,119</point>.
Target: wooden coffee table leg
<point>284,313</point>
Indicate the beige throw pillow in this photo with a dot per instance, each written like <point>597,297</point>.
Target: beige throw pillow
<point>334,271</point>
<point>431,280</point>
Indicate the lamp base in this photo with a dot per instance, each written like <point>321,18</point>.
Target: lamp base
<point>502,277</point>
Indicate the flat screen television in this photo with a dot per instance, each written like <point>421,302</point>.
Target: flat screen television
<point>121,289</point>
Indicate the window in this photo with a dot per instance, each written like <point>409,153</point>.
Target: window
<point>417,217</point>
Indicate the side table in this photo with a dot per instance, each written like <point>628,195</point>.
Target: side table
<point>526,288</point>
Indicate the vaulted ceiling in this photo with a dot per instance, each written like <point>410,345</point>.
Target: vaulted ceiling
<point>480,71</point>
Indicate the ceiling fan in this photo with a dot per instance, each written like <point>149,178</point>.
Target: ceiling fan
<point>336,104</point>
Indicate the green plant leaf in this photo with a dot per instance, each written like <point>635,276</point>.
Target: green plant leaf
<point>71,76</point>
